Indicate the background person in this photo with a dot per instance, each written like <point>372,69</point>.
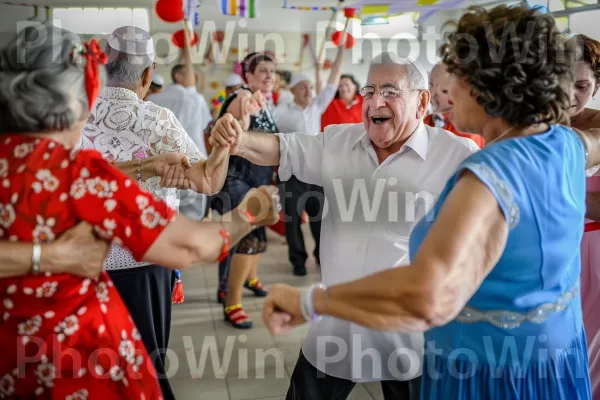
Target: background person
<point>346,107</point>
<point>442,105</point>
<point>303,115</point>
<point>587,81</point>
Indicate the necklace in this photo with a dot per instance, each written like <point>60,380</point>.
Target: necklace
<point>506,132</point>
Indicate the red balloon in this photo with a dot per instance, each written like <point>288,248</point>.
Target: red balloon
<point>179,38</point>
<point>336,38</point>
<point>170,10</point>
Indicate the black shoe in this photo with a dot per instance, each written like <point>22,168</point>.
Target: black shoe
<point>299,270</point>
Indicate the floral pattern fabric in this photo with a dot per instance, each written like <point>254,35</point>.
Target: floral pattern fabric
<point>122,127</point>
<point>66,337</point>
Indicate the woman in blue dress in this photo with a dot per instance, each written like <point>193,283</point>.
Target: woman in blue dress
<point>494,274</point>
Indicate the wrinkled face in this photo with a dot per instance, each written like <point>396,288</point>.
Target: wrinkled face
<point>263,78</point>
<point>347,89</point>
<point>584,87</point>
<point>391,110</point>
<point>440,90</point>
<point>303,93</point>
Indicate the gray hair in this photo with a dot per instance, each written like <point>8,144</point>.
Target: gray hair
<point>125,70</point>
<point>416,75</point>
<point>41,88</point>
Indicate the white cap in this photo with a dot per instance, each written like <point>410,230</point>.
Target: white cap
<point>233,80</point>
<point>158,80</point>
<point>132,40</point>
<point>297,78</point>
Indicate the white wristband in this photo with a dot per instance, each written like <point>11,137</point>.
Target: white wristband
<point>36,258</point>
<point>307,305</point>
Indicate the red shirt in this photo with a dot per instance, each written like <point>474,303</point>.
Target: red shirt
<point>447,125</point>
<point>45,190</point>
<point>339,112</point>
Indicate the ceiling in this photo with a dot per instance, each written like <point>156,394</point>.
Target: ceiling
<point>272,18</point>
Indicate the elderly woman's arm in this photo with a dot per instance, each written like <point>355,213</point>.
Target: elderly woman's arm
<point>461,249</point>
<point>77,251</point>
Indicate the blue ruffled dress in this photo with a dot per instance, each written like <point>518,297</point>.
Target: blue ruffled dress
<point>521,335</point>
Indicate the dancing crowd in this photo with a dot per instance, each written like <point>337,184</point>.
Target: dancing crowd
<point>486,291</point>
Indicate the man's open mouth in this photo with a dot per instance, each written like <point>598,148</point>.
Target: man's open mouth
<point>379,119</point>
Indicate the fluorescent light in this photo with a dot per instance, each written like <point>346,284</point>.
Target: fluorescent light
<point>375,20</point>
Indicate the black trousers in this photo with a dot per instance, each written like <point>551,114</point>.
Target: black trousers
<point>147,293</point>
<point>297,197</point>
<point>308,383</point>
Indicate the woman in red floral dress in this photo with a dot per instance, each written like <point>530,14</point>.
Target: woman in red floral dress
<point>64,336</point>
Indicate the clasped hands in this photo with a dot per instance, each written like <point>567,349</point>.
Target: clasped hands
<point>229,131</point>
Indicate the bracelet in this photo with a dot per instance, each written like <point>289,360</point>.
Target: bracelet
<point>251,219</point>
<point>226,243</point>
<point>307,304</point>
<point>36,258</point>
<point>139,171</point>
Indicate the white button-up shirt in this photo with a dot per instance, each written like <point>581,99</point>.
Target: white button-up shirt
<point>291,118</point>
<point>122,127</point>
<point>369,213</point>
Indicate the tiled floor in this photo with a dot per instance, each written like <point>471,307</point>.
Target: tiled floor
<point>211,360</point>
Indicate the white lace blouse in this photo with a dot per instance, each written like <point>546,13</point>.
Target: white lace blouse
<point>122,127</point>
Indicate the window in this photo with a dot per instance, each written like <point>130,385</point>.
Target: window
<point>94,21</point>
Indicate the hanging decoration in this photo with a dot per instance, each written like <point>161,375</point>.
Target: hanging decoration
<point>191,12</point>
<point>178,39</point>
<point>348,39</point>
<point>170,10</point>
<point>240,8</point>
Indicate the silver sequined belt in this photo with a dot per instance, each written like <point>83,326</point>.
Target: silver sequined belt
<point>511,320</point>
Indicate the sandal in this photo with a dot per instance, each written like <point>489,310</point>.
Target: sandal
<point>237,317</point>
<point>256,287</point>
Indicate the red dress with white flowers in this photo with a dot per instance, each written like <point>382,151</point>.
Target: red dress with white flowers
<point>62,336</point>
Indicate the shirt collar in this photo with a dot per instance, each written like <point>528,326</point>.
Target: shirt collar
<point>118,93</point>
<point>417,142</point>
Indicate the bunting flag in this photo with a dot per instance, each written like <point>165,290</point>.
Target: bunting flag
<point>374,9</point>
<point>240,8</point>
<point>426,2</point>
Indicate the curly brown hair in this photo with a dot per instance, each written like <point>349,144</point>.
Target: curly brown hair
<point>591,53</point>
<point>517,62</point>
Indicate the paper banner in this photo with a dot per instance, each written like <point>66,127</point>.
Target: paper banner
<point>240,8</point>
<point>374,9</point>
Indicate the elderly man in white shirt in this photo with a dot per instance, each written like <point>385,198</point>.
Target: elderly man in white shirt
<point>123,127</point>
<point>304,115</point>
<point>379,178</point>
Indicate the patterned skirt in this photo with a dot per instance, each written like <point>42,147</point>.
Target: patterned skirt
<point>70,338</point>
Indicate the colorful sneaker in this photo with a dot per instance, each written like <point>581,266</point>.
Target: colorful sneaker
<point>236,316</point>
<point>256,287</point>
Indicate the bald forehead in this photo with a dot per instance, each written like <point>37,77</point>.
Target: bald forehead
<point>438,73</point>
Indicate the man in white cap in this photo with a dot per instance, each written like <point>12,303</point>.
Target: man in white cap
<point>123,127</point>
<point>304,115</point>
<point>380,177</point>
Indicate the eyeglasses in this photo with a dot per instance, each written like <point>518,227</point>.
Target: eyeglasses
<point>386,92</point>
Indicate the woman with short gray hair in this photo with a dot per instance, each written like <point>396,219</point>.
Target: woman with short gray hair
<point>46,187</point>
